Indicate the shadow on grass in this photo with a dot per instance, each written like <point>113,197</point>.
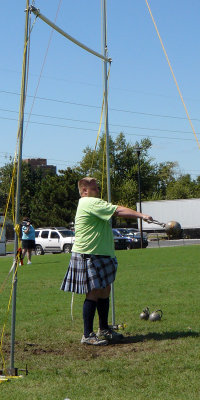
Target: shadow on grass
<point>160,336</point>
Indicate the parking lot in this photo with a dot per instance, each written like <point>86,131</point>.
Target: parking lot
<point>155,244</point>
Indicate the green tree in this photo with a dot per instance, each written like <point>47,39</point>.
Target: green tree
<point>47,200</point>
<point>30,180</point>
<point>56,201</point>
<point>5,182</point>
<point>124,170</point>
<point>183,188</point>
<point>52,199</point>
<point>163,175</point>
<point>123,164</point>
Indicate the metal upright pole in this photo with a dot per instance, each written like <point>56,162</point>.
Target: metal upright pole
<point>106,127</point>
<point>139,189</point>
<point>106,99</point>
<point>18,188</point>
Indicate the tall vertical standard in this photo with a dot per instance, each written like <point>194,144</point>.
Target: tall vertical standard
<point>12,370</point>
<point>106,127</point>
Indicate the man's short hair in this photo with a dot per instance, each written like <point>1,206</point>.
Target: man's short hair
<point>27,219</point>
<point>85,182</point>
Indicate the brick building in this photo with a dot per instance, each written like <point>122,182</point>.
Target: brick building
<point>41,163</point>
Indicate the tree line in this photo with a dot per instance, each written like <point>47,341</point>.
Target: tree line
<point>51,200</point>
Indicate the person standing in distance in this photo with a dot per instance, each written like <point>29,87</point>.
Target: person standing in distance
<point>93,264</point>
<point>28,238</point>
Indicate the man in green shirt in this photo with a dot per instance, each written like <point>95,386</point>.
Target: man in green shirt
<point>93,264</point>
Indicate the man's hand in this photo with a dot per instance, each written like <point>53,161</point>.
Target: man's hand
<point>147,218</point>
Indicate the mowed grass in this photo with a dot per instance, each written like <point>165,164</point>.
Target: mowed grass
<point>157,360</point>
<point>10,247</point>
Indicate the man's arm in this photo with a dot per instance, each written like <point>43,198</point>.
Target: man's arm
<point>27,228</point>
<point>124,212</point>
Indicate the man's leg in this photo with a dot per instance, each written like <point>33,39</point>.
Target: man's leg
<point>103,311</point>
<point>103,307</point>
<point>104,331</point>
<point>23,253</point>
<point>101,297</point>
<point>29,251</point>
<point>89,308</point>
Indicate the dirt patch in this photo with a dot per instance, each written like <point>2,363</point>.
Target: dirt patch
<point>150,343</point>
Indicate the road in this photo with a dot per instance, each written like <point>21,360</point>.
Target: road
<point>173,243</point>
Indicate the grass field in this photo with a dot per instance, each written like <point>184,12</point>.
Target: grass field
<point>157,360</point>
<point>10,246</point>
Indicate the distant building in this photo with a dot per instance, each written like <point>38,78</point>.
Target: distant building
<point>41,163</point>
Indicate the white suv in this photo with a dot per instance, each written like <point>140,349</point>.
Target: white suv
<point>53,240</point>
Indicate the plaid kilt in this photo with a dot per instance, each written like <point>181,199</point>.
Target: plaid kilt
<point>87,272</point>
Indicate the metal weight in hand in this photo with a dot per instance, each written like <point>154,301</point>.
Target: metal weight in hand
<point>172,228</point>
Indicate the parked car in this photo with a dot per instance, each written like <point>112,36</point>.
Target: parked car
<point>53,240</point>
<point>135,236</point>
<point>121,242</point>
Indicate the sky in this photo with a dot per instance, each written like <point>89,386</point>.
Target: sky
<point>65,92</point>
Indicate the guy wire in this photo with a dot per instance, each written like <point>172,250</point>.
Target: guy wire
<point>43,64</point>
<point>180,94</point>
<point>98,133</point>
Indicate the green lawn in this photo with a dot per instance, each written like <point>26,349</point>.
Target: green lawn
<point>157,360</point>
<point>9,247</point>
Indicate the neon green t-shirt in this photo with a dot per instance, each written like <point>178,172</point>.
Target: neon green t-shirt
<point>93,231</point>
